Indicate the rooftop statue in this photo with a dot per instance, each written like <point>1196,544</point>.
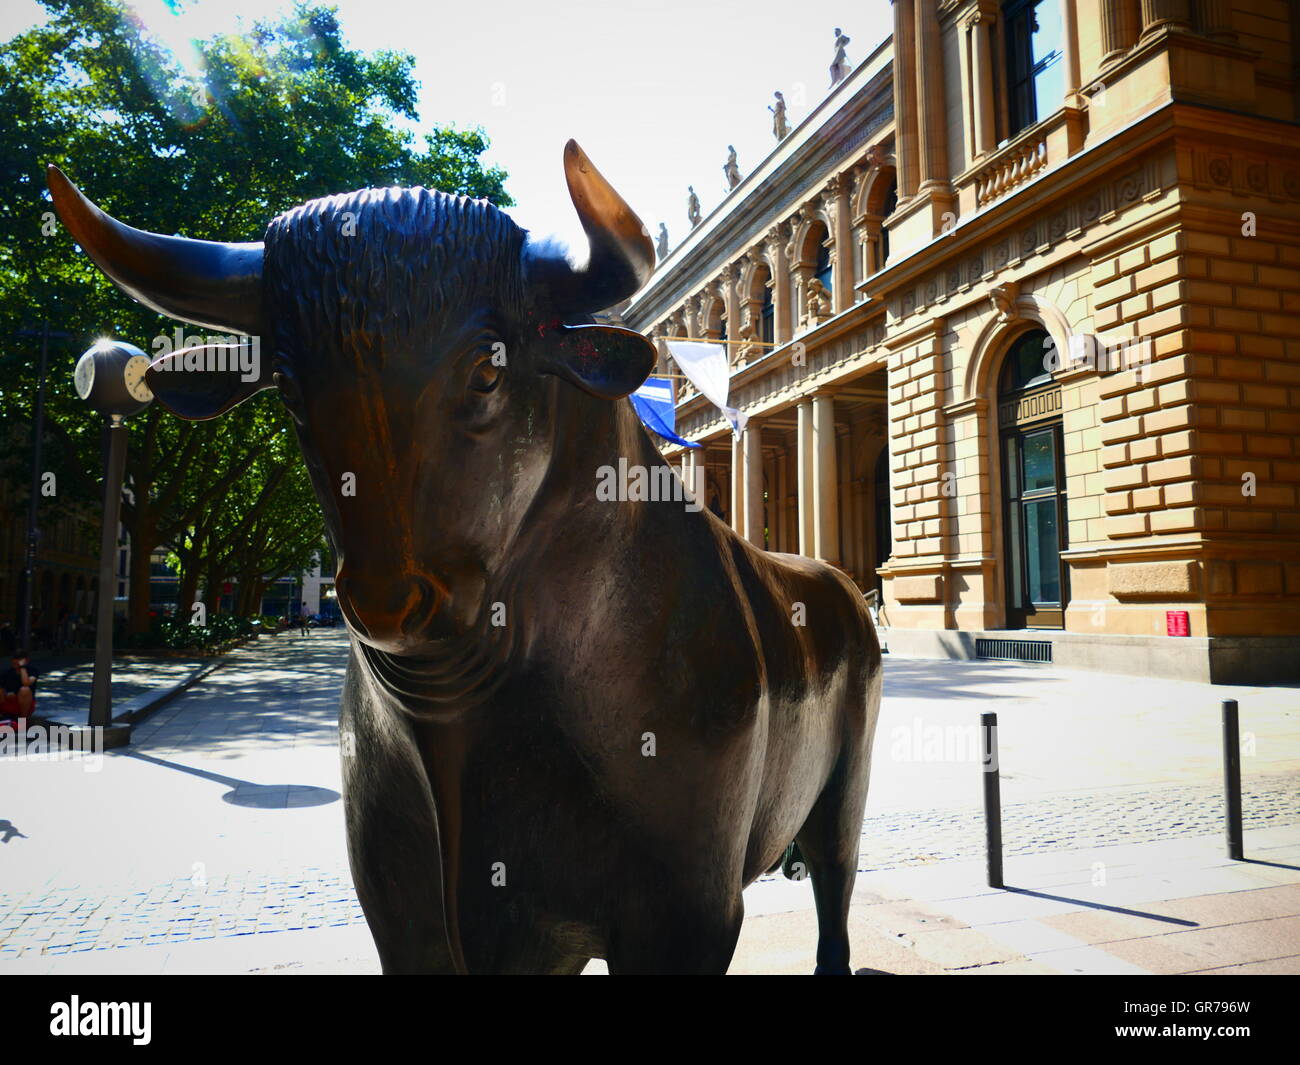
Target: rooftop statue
<point>840,64</point>
<point>731,168</point>
<point>780,127</point>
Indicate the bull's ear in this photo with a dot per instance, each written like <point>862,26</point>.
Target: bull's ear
<point>605,360</point>
<point>204,382</point>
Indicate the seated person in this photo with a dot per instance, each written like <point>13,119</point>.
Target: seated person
<point>18,687</point>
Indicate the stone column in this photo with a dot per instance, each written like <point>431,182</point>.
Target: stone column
<point>737,514</point>
<point>1070,48</point>
<point>905,97</point>
<point>981,26</point>
<point>776,252</point>
<point>752,460</point>
<point>776,539</point>
<point>691,320</point>
<point>825,481</point>
<point>932,121</point>
<point>1217,20</point>
<point>804,464</point>
<point>803,273</point>
<point>1157,14</point>
<point>842,253</point>
<point>1118,28</point>
<point>731,307</point>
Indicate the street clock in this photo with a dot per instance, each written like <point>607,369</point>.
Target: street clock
<point>110,377</point>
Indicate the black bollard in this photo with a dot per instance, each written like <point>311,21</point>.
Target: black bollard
<point>992,797</point>
<point>1232,780</point>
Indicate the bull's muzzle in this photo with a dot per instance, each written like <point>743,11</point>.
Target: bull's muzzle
<point>389,611</point>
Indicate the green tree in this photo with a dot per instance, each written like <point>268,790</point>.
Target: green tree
<point>283,113</point>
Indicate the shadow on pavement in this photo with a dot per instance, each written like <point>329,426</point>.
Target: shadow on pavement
<point>8,830</point>
<point>948,678</point>
<point>246,793</point>
<point>1099,906</point>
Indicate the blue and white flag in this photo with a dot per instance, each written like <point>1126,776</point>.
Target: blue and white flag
<point>654,403</point>
<point>707,368</point>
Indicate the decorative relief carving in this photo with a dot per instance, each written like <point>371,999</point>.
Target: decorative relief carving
<point>1004,298</point>
<point>1028,241</point>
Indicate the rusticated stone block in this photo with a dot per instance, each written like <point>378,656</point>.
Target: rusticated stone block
<point>1152,580</point>
<point>917,589</point>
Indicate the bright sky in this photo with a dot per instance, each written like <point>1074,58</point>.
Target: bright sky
<point>653,91</point>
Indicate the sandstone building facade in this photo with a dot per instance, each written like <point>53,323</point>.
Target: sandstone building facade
<point>1015,316</point>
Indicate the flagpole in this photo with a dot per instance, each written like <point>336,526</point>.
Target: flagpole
<point>710,340</point>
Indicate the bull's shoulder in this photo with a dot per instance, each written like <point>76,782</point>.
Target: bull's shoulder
<point>801,606</point>
<point>807,580</point>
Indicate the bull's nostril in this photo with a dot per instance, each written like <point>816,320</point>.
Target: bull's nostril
<point>423,603</point>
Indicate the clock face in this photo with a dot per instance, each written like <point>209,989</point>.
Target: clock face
<point>83,377</point>
<point>133,377</point>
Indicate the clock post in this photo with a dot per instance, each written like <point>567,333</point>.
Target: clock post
<point>110,377</point>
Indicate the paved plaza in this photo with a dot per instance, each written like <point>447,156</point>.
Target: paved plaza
<point>215,842</point>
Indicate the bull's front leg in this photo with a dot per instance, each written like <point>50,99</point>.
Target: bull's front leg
<point>392,836</point>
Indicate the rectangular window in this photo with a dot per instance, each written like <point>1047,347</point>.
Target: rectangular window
<point>1035,71</point>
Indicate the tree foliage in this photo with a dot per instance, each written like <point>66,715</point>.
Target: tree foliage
<point>284,112</point>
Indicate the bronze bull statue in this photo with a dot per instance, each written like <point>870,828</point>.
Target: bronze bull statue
<point>581,727</point>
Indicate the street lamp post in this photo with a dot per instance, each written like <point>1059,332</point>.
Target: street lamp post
<point>110,377</point>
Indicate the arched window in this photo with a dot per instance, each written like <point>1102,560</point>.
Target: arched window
<point>822,270</point>
<point>1033,485</point>
<point>888,208</point>
<point>766,318</point>
<point>1035,71</point>
<point>1026,363</point>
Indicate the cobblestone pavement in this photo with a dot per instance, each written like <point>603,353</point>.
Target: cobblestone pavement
<point>1074,822</point>
<point>223,821</point>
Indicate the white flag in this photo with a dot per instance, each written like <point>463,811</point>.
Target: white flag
<point>705,366</point>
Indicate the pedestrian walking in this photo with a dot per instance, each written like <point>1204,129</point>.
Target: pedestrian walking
<point>303,618</point>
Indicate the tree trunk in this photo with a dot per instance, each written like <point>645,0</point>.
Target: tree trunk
<point>138,603</point>
<point>188,593</point>
<point>213,592</point>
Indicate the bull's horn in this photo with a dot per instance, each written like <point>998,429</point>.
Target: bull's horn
<point>200,281</point>
<point>621,256</point>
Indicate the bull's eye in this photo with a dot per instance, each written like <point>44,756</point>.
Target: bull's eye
<point>486,376</point>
